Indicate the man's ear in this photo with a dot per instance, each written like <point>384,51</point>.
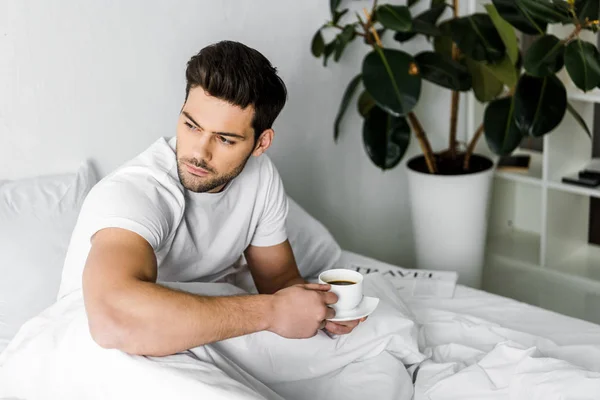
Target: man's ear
<point>263,142</point>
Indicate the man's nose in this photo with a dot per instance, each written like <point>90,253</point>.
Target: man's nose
<point>203,147</point>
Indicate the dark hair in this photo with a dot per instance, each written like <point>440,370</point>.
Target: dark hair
<point>240,75</point>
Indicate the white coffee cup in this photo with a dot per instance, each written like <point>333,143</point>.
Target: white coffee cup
<point>349,295</point>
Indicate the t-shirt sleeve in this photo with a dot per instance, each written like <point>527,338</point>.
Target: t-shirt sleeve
<point>270,230</point>
<point>144,210</point>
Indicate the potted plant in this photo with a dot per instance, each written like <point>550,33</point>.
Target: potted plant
<point>450,188</point>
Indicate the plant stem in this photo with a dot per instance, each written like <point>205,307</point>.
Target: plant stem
<point>454,122</point>
<point>455,98</point>
<point>471,147</point>
<point>423,142</point>
<point>342,28</point>
<point>369,25</point>
<point>573,34</point>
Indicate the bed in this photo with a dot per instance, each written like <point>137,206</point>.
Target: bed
<point>474,345</point>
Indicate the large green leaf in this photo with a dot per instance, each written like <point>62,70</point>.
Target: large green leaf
<point>317,46</point>
<point>505,71</point>
<point>388,76</point>
<point>385,138</point>
<point>412,2</point>
<point>485,84</point>
<point>589,9</point>
<point>501,132</point>
<point>425,28</point>
<point>512,12</point>
<point>424,23</point>
<point>443,44</point>
<point>540,104</point>
<point>545,56</point>
<point>477,37</point>
<point>365,103</point>
<point>396,18</point>
<point>545,10</point>
<point>583,64</point>
<point>443,70</point>
<point>579,119</point>
<point>507,33</point>
<point>344,105</point>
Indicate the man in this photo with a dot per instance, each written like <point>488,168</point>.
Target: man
<point>185,210</point>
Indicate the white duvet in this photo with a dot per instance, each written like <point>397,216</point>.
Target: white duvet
<point>54,357</point>
<point>449,355</point>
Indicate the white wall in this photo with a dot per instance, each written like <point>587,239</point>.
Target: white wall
<point>102,79</point>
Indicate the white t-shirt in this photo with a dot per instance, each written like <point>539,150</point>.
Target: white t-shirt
<point>195,236</point>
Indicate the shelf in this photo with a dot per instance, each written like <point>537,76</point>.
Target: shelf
<point>516,245</point>
<point>532,176</point>
<point>584,262</point>
<point>581,190</point>
<point>593,96</point>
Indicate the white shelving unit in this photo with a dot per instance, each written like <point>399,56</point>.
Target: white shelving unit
<point>537,249</point>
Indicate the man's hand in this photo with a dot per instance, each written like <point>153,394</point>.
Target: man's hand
<point>299,311</point>
<point>342,328</point>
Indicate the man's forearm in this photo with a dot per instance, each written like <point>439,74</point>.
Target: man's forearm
<point>148,319</point>
<point>294,281</point>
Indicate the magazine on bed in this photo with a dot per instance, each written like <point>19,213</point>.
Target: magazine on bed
<point>414,282</point>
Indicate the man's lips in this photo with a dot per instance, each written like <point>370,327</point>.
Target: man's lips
<point>196,171</point>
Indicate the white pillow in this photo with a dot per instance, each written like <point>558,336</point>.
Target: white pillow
<point>314,247</point>
<point>37,217</point>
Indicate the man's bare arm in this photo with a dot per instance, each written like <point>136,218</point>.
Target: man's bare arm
<point>274,268</point>
<point>127,310</point>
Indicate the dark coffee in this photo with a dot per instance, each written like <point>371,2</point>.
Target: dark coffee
<point>341,283</point>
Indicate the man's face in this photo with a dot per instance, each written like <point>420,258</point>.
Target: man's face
<point>214,141</point>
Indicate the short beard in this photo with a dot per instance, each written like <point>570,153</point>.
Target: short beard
<point>196,185</point>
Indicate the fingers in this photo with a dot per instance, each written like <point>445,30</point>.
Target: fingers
<point>349,324</point>
<point>337,328</point>
<point>330,313</point>
<point>317,286</point>
<point>330,297</point>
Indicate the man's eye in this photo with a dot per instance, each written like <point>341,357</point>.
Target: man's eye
<point>226,141</point>
<point>190,126</point>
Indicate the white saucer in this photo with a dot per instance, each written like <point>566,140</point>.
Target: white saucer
<point>364,308</point>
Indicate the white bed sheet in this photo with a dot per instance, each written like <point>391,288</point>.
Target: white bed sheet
<point>54,356</point>
<point>483,346</point>
<point>509,313</point>
<point>478,346</point>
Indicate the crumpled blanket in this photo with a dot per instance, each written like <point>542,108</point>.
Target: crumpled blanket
<point>54,357</point>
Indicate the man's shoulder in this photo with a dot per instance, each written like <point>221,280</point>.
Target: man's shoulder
<point>150,177</point>
<point>261,167</point>
<point>157,165</point>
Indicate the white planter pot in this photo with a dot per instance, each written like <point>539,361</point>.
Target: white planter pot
<point>449,219</point>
